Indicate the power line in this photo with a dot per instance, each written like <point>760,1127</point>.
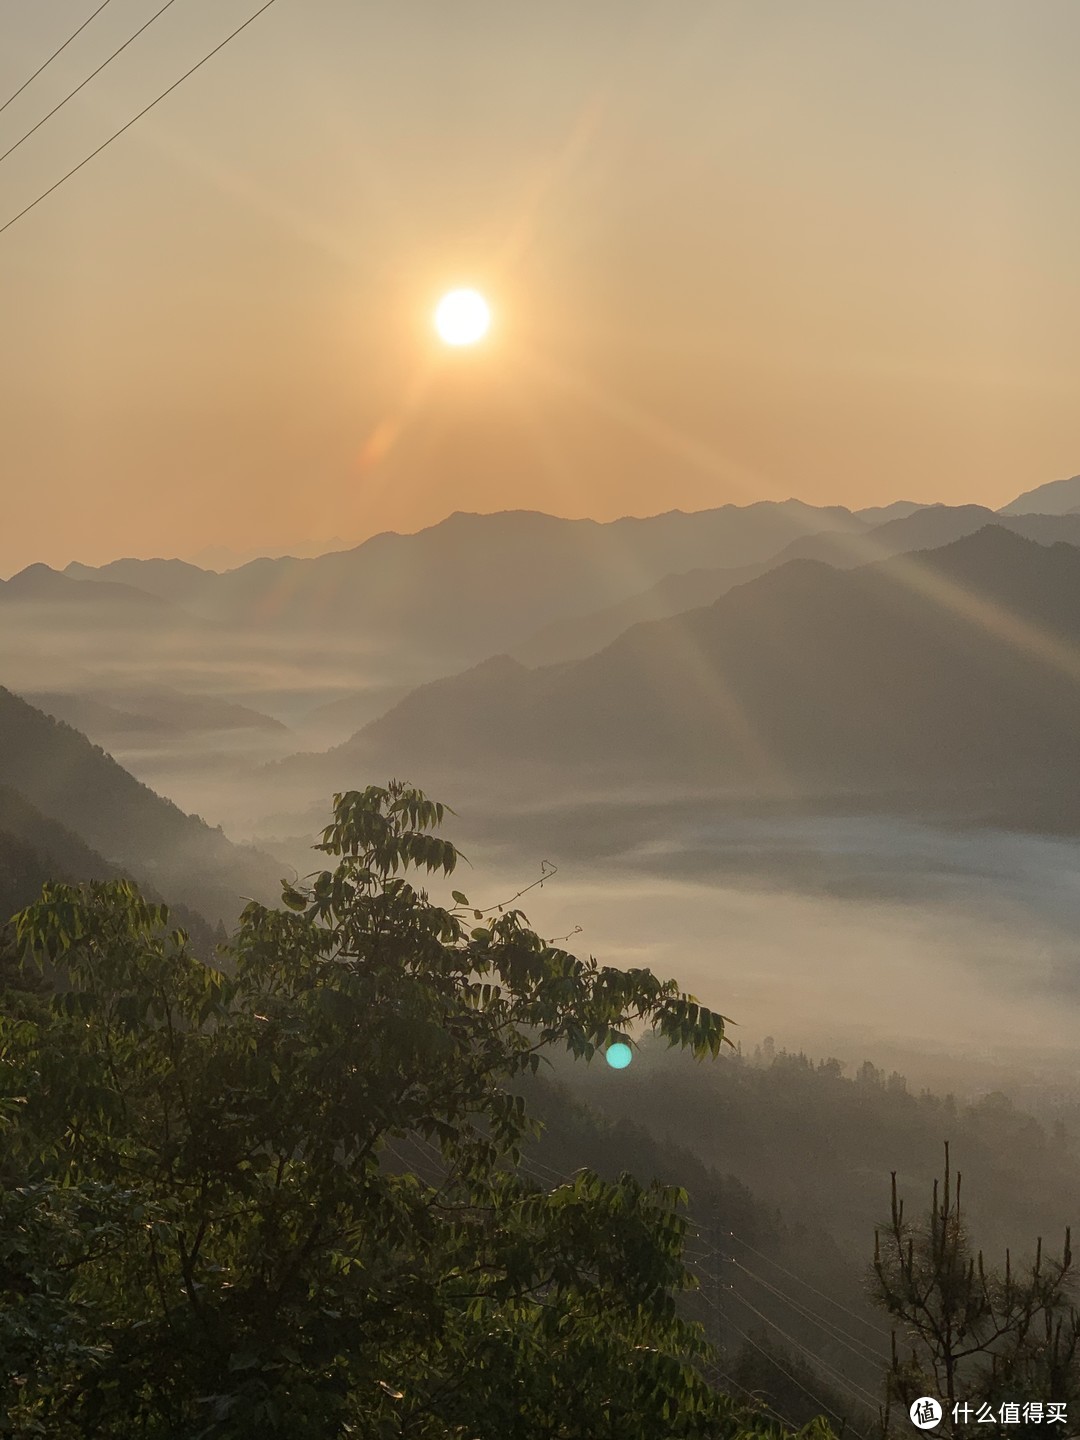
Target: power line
<point>867,1324</point>
<point>851,1386</point>
<point>420,1141</point>
<point>794,1379</point>
<point>697,1262</point>
<point>755,1400</point>
<point>534,1166</point>
<point>83,83</point>
<point>410,1165</point>
<point>834,1332</point>
<point>854,1391</point>
<point>53,56</point>
<point>145,110</point>
<point>699,1257</point>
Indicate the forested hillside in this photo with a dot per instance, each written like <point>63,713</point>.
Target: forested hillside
<point>786,1248</point>
<point>77,785</point>
<point>35,850</point>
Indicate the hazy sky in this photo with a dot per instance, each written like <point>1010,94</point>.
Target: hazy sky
<point>739,249</point>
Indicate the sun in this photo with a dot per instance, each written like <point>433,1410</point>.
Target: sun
<point>462,317</point>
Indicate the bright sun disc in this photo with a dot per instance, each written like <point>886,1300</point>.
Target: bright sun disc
<point>462,317</point>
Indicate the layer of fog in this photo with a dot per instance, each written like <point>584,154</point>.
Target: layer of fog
<point>950,956</point>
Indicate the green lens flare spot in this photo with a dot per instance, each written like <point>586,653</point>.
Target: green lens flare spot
<point>619,1055</point>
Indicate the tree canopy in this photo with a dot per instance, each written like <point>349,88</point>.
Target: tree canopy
<point>209,1225</point>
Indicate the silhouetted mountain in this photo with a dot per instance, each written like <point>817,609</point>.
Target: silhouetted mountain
<point>174,580</point>
<point>878,514</point>
<point>955,666</point>
<point>336,720</point>
<point>223,557</point>
<point>927,528</point>
<point>82,602</point>
<point>1056,497</point>
<point>72,782</point>
<point>1045,529</point>
<point>474,584</point>
<point>924,527</point>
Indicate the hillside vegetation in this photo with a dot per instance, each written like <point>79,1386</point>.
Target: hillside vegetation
<point>77,785</point>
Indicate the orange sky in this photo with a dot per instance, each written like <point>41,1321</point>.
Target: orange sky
<point>737,249</point>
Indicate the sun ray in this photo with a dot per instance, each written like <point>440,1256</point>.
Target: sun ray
<point>639,421</point>
<point>581,133</point>
<point>1024,636</point>
<point>710,685</point>
<point>389,428</point>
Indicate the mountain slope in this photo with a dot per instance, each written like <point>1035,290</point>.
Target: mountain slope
<point>1056,497</point>
<point>35,849</point>
<point>77,785</point>
<point>951,666</point>
<point>927,527</point>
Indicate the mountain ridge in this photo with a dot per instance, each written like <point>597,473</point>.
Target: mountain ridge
<point>1056,497</point>
<point>878,675</point>
<point>925,527</point>
<point>540,566</point>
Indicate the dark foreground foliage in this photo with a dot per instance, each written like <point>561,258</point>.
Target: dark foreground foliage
<point>206,1229</point>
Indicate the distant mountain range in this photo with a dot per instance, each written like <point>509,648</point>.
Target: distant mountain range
<point>533,585</point>
<point>83,602</point>
<point>172,580</point>
<point>156,658</point>
<point>473,583</point>
<point>955,667</point>
<point>221,557</point>
<point>918,528</point>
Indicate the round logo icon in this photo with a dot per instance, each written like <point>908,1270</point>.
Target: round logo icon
<point>925,1413</point>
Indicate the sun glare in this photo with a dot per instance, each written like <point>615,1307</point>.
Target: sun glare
<point>462,317</point>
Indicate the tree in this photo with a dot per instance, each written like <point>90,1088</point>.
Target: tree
<point>208,1223</point>
<point>975,1335</point>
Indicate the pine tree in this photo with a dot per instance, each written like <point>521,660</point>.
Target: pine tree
<point>970,1335</point>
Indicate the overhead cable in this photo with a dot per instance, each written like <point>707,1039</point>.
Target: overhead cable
<point>145,110</point>
<point>16,93</point>
<point>83,83</point>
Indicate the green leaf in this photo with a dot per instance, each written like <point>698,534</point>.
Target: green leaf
<point>312,1157</point>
